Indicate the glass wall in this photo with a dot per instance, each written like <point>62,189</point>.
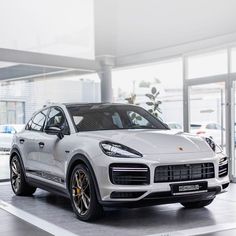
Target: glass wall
<point>134,84</point>
<point>207,101</point>
<point>20,98</point>
<point>207,64</point>
<point>233,70</point>
<point>25,88</point>
<point>207,111</point>
<point>233,60</point>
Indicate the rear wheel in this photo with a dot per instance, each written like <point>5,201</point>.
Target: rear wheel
<point>83,194</point>
<point>18,183</point>
<point>197,204</point>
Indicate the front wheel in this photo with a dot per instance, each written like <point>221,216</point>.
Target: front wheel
<point>83,194</point>
<point>197,204</point>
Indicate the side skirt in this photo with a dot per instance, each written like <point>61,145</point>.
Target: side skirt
<point>48,187</point>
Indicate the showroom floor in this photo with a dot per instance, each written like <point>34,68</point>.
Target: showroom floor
<point>46,214</point>
<point>4,167</point>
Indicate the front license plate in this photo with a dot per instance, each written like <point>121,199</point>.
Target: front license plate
<point>196,187</point>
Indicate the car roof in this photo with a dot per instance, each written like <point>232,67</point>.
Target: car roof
<point>68,105</point>
<point>95,104</point>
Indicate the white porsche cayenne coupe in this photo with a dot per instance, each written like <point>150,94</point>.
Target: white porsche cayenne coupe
<point>114,155</point>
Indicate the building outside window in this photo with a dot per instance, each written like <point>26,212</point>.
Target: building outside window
<point>12,112</point>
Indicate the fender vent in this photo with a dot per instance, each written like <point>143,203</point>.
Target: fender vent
<point>223,167</point>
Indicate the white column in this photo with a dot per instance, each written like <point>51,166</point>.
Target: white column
<point>105,74</point>
<point>186,110</point>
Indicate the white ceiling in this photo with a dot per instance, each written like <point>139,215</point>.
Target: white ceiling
<point>131,27</point>
<point>133,31</point>
<point>64,27</point>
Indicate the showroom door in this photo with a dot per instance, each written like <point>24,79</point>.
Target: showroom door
<point>211,113</point>
<point>234,133</point>
<point>207,111</point>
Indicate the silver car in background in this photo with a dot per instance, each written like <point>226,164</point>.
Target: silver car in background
<point>6,135</point>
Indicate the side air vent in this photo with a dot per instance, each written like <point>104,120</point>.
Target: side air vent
<point>129,174</point>
<point>223,167</point>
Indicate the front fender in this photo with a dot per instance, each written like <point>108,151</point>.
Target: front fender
<point>80,158</point>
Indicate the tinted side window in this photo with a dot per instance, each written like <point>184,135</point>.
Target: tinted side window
<point>38,121</point>
<point>137,120</point>
<point>56,118</point>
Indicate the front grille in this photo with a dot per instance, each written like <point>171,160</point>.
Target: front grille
<point>174,173</point>
<point>223,167</point>
<point>129,174</point>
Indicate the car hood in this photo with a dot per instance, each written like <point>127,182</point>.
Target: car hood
<point>154,141</point>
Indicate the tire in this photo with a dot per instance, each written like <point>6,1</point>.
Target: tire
<point>83,195</point>
<point>18,183</point>
<point>199,204</point>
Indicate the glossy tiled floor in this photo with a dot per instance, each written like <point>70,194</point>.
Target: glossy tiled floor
<point>4,166</point>
<point>13,226</point>
<point>144,221</point>
<point>231,232</point>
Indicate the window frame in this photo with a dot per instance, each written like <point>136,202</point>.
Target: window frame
<point>59,108</point>
<point>27,128</point>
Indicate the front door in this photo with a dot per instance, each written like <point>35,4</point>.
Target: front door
<point>52,149</point>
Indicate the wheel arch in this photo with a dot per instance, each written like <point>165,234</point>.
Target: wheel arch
<point>14,152</point>
<point>81,159</point>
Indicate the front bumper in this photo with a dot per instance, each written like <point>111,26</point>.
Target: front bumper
<point>158,198</point>
<point>156,193</point>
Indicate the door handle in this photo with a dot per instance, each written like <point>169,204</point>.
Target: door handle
<point>22,141</point>
<point>41,144</point>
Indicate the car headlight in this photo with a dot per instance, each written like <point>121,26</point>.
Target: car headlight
<point>118,150</point>
<point>216,148</point>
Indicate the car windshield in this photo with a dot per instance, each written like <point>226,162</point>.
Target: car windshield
<point>112,117</point>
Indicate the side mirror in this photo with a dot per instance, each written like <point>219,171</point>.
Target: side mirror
<point>54,131</point>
